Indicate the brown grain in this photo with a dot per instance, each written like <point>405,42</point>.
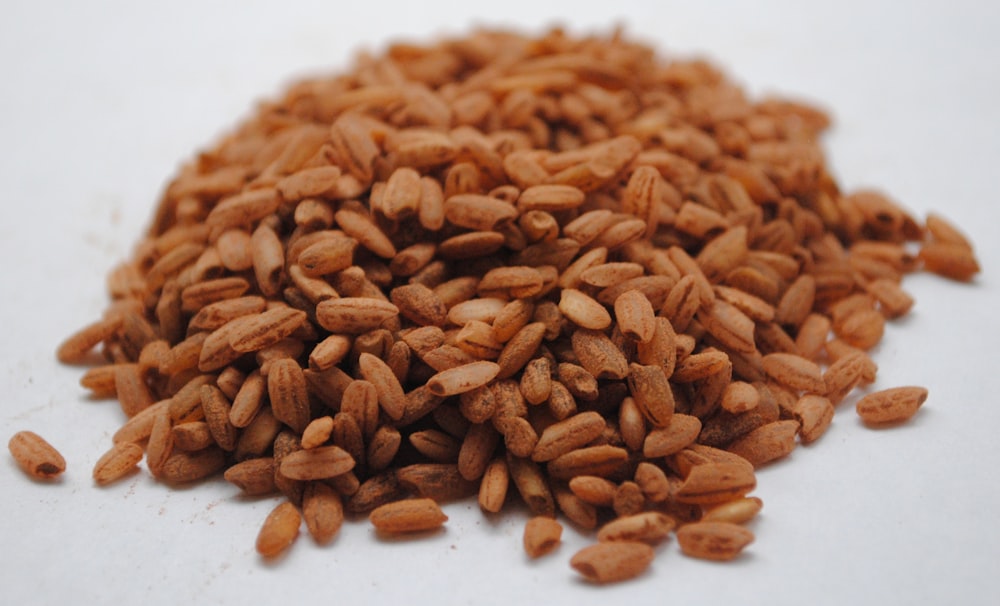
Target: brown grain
<point>713,540</point>
<point>814,414</point>
<point>950,260</point>
<point>611,562</point>
<point>323,511</point>
<point>541,536</point>
<point>494,484</point>
<point>317,463</point>
<point>287,390</point>
<point>411,515</point>
<point>617,282</point>
<point>185,467</point>
<point>891,405</point>
<point>737,511</point>
<point>463,378</point>
<point>716,482</point>
<point>603,460</point>
<point>255,477</point>
<point>681,431</point>
<point>795,372</point>
<point>583,310</point>
<point>650,526</point>
<point>767,442</point>
<point>117,462</point>
<point>279,531</point>
<point>35,456</point>
<point>568,435</point>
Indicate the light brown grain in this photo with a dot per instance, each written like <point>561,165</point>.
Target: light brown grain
<point>410,515</point>
<point>549,260</point>
<point>541,536</point>
<point>35,456</point>
<point>279,531</point>
<point>612,562</point>
<point>117,462</point>
<point>323,511</point>
<point>713,540</point>
<point>891,405</point>
<point>650,526</point>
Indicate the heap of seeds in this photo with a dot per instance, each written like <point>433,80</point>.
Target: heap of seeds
<point>553,269</point>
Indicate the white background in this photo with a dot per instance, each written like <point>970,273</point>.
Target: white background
<point>100,103</point>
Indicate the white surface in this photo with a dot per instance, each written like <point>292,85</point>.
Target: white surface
<point>101,101</point>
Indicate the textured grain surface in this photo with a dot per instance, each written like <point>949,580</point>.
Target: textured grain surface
<point>616,282</point>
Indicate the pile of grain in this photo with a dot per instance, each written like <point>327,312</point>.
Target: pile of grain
<point>553,269</point>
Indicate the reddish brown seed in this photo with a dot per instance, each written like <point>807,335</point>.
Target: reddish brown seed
<point>286,387</point>
<point>354,315</point>
<point>463,378</point>
<point>653,482</point>
<point>117,462</point>
<point>583,310</point>
<point>891,405</point>
<point>740,396</point>
<point>254,477</point>
<point>35,456</point>
<point>603,460</point>
<point>736,511</point>
<point>716,482</point>
<point>649,526</point>
<point>795,372</point>
<point>541,536</point>
<point>139,427</point>
<point>279,531</point>
<point>611,562</point>
<point>565,436</point>
<point>184,467</point>
<point>387,387</point>
<point>713,540</point>
<point>594,490</point>
<point>411,515</point>
<point>652,393</point>
<point>74,348</point>
<point>862,329</point>
<point>323,511</point>
<point>317,463</point>
<point>767,442</point>
<point>635,316</point>
<point>814,414</point>
<point>950,260</point>
<point>317,432</point>
<point>493,486</point>
<point>682,431</point>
